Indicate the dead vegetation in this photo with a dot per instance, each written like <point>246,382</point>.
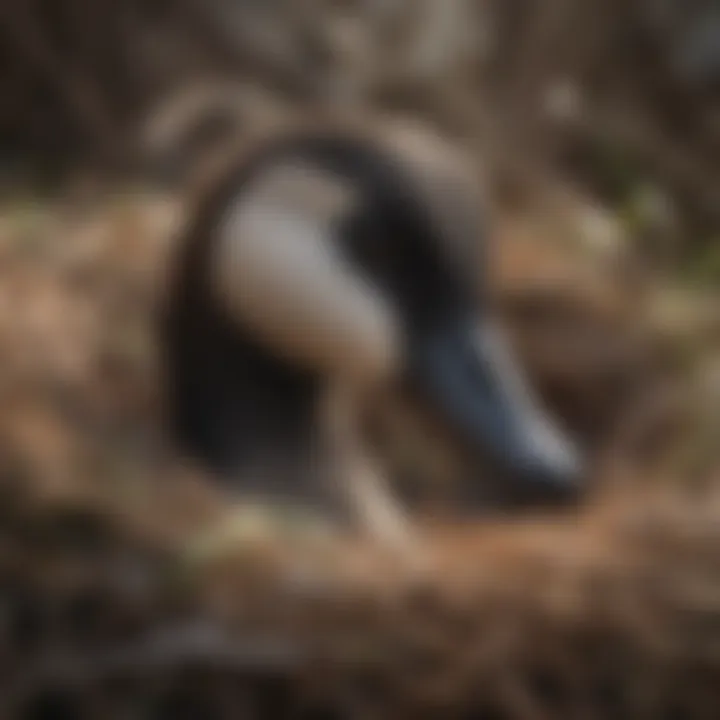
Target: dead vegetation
<point>605,90</point>
<point>114,599</point>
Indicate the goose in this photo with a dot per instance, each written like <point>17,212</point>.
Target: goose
<point>322,266</point>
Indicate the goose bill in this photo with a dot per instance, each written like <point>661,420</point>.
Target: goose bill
<point>469,375</point>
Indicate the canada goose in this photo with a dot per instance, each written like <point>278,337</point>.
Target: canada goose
<point>325,264</point>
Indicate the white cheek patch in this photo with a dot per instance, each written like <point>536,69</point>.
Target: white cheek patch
<point>280,276</point>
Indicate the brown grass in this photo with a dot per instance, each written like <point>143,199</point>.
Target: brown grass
<point>606,613</point>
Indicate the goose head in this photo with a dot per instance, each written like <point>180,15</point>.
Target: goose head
<point>351,258</point>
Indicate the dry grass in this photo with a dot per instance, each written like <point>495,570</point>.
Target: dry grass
<point>609,613</point>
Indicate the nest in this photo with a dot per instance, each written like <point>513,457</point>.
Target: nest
<point>612,615</point>
<point>109,608</point>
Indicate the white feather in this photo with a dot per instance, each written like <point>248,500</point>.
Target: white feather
<point>280,274</point>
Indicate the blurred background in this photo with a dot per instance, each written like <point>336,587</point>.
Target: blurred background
<point>596,124</point>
